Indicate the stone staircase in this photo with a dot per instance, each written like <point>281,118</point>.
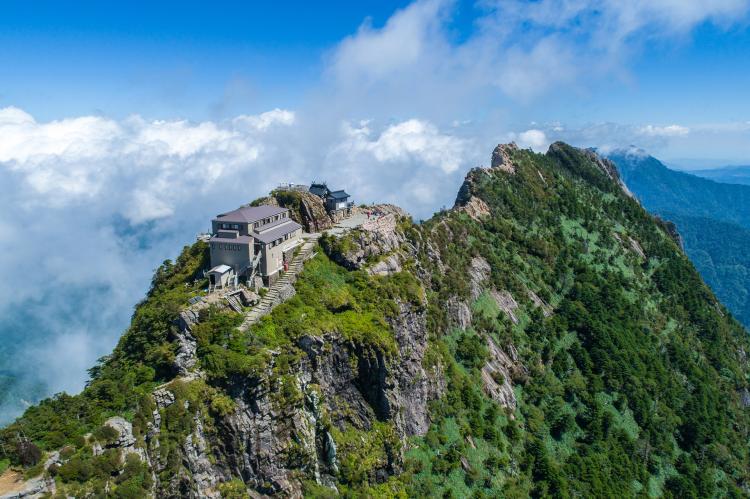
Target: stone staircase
<point>273,297</point>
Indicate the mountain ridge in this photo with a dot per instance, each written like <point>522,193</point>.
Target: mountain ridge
<point>546,336</point>
<point>687,193</point>
<point>726,174</point>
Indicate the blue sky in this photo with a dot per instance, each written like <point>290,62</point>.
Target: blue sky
<point>191,60</point>
<point>129,126</point>
<point>169,59</point>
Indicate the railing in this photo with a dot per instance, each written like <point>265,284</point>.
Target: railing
<point>293,187</point>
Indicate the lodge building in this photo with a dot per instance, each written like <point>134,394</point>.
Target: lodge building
<point>252,241</point>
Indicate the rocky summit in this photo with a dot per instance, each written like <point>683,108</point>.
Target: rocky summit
<point>544,337</point>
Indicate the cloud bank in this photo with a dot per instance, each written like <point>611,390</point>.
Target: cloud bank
<point>91,205</point>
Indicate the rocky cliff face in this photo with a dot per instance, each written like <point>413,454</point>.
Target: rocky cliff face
<point>271,440</point>
<point>307,209</point>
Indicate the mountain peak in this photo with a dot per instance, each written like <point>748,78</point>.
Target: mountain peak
<point>502,157</point>
<point>631,151</point>
<point>578,160</point>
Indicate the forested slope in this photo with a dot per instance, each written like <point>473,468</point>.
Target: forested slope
<point>713,217</point>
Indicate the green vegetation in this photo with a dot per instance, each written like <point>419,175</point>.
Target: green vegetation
<point>713,219</point>
<point>721,253</point>
<point>120,384</point>
<point>331,299</point>
<point>629,388</point>
<point>360,453</point>
<point>633,383</point>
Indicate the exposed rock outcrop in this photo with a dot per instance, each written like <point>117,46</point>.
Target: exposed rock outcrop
<point>475,208</point>
<point>379,246</point>
<point>636,247</point>
<point>502,157</point>
<point>671,229</point>
<point>307,209</point>
<point>185,357</point>
<point>497,374</point>
<point>467,191</point>
<point>539,303</point>
<point>416,385</point>
<point>479,273</point>
<point>269,437</point>
<point>745,397</point>
<point>458,312</point>
<point>391,264</point>
<point>507,304</point>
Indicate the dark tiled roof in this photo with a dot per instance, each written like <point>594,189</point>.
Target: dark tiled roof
<point>276,232</point>
<point>319,189</point>
<point>250,214</point>
<point>338,195</point>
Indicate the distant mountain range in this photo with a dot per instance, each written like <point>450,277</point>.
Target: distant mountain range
<point>712,217</point>
<point>727,175</point>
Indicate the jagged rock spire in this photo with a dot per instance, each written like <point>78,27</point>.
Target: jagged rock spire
<point>501,157</point>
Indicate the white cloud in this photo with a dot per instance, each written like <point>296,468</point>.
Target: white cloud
<point>86,213</point>
<point>523,49</point>
<point>408,36</point>
<point>406,142</point>
<point>664,131</point>
<point>27,143</point>
<point>410,163</point>
<point>533,138</point>
<point>708,144</point>
<point>267,119</point>
<point>74,160</point>
<point>610,23</point>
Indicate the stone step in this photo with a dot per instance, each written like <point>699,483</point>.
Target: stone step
<point>266,303</point>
